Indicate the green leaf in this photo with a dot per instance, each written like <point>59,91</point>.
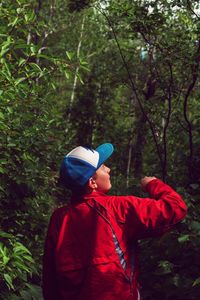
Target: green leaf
<point>45,57</point>
<point>79,77</point>
<point>35,291</point>
<point>35,67</point>
<point>85,68</point>
<point>9,110</point>
<point>26,18</point>
<point>164,267</point>
<point>8,280</point>
<point>5,259</point>
<point>21,45</point>
<point>22,266</point>
<point>5,47</point>
<point>66,75</point>
<point>7,68</point>
<point>184,238</point>
<point>21,61</point>
<point>11,145</point>
<point>21,248</point>
<point>33,49</point>
<point>69,54</point>
<point>196,282</point>
<point>53,86</point>
<point>14,22</point>
<point>5,235</point>
<point>82,62</point>
<point>2,170</point>
<point>51,121</point>
<point>4,51</point>
<point>195,225</point>
<point>29,258</point>
<point>19,9</point>
<point>2,116</point>
<point>19,80</point>
<point>25,295</point>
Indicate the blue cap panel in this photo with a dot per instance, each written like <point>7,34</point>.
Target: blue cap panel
<point>76,170</point>
<point>105,151</point>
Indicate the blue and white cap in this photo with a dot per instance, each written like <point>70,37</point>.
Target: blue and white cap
<point>81,163</point>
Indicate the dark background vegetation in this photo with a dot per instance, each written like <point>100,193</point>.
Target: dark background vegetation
<point>88,72</point>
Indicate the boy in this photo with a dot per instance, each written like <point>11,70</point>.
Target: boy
<point>91,245</point>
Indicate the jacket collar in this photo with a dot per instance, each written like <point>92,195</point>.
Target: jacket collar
<point>93,195</point>
<point>76,199</point>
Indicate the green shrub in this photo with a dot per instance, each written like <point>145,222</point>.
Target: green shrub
<point>17,266</point>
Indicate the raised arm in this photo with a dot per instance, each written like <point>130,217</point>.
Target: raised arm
<point>146,217</point>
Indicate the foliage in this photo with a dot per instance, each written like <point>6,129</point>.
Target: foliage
<point>27,123</point>
<point>16,267</point>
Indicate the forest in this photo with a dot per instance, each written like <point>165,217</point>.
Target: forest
<point>87,72</point>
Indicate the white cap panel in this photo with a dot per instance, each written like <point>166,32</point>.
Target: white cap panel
<point>85,154</point>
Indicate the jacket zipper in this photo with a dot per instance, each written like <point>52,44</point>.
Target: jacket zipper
<point>130,279</point>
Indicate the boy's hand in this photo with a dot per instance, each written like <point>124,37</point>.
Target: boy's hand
<point>144,181</point>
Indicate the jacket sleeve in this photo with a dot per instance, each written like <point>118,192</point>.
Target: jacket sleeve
<point>49,284</point>
<point>148,217</point>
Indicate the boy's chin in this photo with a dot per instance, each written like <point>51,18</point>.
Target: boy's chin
<point>108,189</point>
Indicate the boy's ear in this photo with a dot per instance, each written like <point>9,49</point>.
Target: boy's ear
<point>92,183</point>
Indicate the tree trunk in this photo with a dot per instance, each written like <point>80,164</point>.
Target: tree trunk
<point>139,146</point>
<point>75,78</point>
<point>129,159</point>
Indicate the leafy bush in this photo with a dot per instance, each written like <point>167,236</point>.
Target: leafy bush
<point>17,266</point>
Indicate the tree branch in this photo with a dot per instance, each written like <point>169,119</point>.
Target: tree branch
<point>167,120</point>
<point>133,86</point>
<point>195,73</point>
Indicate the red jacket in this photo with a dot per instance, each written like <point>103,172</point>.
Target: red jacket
<point>81,259</point>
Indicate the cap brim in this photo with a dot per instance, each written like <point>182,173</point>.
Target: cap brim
<point>105,151</point>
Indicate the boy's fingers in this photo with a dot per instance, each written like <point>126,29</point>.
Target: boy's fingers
<point>144,181</point>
